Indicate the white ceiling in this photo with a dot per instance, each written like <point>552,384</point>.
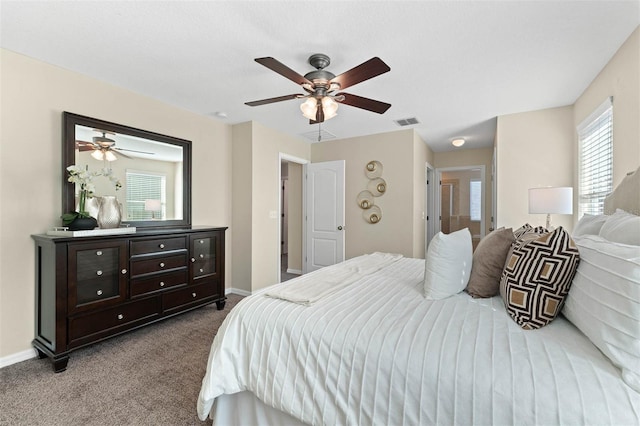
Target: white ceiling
<point>455,65</point>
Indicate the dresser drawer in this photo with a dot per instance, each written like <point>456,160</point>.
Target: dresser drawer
<point>189,295</point>
<point>114,319</point>
<point>157,282</point>
<point>158,245</point>
<point>158,264</point>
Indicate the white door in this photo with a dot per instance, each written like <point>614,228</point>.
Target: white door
<point>324,214</point>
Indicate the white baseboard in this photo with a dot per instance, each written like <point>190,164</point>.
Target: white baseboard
<point>294,271</point>
<point>237,291</point>
<point>18,357</point>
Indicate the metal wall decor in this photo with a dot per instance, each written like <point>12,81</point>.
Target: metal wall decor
<point>376,187</point>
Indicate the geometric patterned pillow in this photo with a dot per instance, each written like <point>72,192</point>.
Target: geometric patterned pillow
<point>526,229</point>
<point>537,277</point>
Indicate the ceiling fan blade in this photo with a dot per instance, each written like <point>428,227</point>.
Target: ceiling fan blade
<point>272,100</point>
<point>282,69</point>
<point>133,150</point>
<point>364,103</point>
<point>369,69</point>
<point>85,146</point>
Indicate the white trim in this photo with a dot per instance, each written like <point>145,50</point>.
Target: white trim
<point>292,159</point>
<point>294,271</point>
<point>237,291</point>
<point>608,103</point>
<point>18,357</point>
<point>430,211</point>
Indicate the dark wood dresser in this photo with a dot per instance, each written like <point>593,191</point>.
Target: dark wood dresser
<point>92,288</point>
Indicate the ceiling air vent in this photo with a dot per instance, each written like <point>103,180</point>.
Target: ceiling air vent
<point>407,121</point>
<point>319,136</point>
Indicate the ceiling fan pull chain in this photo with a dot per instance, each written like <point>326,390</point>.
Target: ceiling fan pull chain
<point>319,132</point>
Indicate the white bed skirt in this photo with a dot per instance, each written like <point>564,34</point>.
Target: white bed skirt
<point>245,409</point>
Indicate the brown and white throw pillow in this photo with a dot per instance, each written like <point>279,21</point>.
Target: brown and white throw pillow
<point>537,277</point>
<point>488,263</point>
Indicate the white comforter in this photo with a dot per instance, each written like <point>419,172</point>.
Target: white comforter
<point>378,352</point>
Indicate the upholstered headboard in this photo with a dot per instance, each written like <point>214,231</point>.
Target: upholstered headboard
<point>626,196</point>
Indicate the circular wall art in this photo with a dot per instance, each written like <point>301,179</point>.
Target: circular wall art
<point>373,169</point>
<point>365,199</point>
<point>377,187</point>
<point>372,215</point>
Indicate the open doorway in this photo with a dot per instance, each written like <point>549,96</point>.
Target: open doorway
<point>290,252</point>
<point>461,200</point>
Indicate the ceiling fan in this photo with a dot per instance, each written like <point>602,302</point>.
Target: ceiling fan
<point>323,87</point>
<point>104,148</point>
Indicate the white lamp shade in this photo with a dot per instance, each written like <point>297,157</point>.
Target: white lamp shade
<point>557,200</point>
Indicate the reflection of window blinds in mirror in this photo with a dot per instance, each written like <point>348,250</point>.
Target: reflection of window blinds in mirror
<point>475,202</point>
<point>142,186</point>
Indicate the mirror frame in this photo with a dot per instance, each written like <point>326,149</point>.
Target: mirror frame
<point>70,120</point>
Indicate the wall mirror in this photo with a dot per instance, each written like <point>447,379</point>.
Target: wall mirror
<point>154,170</point>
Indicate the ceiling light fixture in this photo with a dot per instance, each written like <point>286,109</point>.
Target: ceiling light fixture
<point>101,155</point>
<point>329,106</point>
<point>458,142</point>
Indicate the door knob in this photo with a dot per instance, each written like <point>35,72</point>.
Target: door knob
<point>339,228</point>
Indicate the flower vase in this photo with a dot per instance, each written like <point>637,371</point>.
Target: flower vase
<point>109,213</point>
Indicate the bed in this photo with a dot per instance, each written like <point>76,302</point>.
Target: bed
<point>366,347</point>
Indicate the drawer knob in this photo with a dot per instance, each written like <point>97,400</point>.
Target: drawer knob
<point>201,270</point>
<point>193,259</point>
<point>161,246</point>
<point>201,241</point>
<point>99,253</point>
<point>120,316</point>
<point>99,273</point>
<point>193,294</point>
<point>162,264</point>
<point>161,283</point>
<point>124,271</point>
<point>201,256</point>
<point>99,292</point>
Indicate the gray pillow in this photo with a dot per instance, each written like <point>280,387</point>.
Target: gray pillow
<point>488,263</point>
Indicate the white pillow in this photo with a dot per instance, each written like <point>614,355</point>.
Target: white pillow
<point>604,302</point>
<point>589,225</point>
<point>448,264</point>
<point>622,227</point>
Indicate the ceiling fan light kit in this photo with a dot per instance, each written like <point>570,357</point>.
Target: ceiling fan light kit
<point>322,98</point>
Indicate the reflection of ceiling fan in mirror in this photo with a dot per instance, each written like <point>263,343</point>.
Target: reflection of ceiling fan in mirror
<point>105,148</point>
<point>324,88</point>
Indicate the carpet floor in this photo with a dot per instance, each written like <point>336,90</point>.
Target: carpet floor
<point>151,376</point>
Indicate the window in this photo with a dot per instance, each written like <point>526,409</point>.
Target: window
<point>595,145</point>
<point>142,187</point>
<point>475,201</point>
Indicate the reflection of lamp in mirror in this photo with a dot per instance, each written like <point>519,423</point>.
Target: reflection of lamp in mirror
<point>365,199</point>
<point>100,155</point>
<point>372,215</point>
<point>153,206</point>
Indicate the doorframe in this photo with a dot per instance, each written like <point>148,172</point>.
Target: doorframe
<point>483,193</point>
<point>282,156</point>
<point>430,212</point>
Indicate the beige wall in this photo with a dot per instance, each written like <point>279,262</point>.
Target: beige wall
<point>471,157</point>
<point>534,149</point>
<point>620,78</point>
<point>395,150</point>
<point>539,148</point>
<point>242,184</point>
<point>295,217</point>
<point>33,97</point>
<point>259,156</point>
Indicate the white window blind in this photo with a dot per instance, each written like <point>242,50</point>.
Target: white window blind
<point>595,140</point>
<point>142,186</point>
<point>475,200</point>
